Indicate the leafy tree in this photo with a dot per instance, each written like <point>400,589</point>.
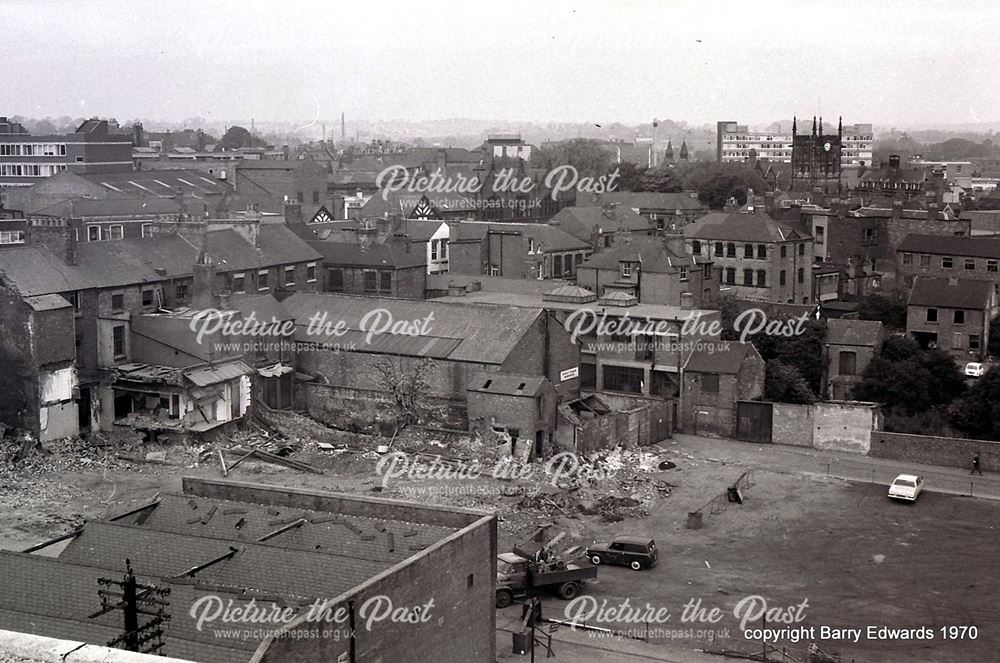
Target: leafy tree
<point>716,183</point>
<point>784,384</point>
<point>908,380</point>
<point>237,137</point>
<point>978,412</point>
<point>590,157</point>
<point>406,385</point>
<point>889,309</point>
<point>993,344</point>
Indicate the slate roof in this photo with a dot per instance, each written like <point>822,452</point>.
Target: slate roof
<point>840,331</point>
<point>582,221</point>
<point>506,384</point>
<point>47,302</point>
<point>652,252</point>
<point>34,270</point>
<point>724,357</point>
<point>949,245</point>
<point>377,256</point>
<point>942,293</point>
<point>84,207</point>
<point>158,183</point>
<point>462,332</point>
<point>735,227</point>
<point>265,307</point>
<point>645,200</point>
<point>548,238</point>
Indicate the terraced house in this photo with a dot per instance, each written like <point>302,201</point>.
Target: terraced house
<point>109,286</point>
<point>967,258</point>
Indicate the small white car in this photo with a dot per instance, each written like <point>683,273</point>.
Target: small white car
<point>974,369</point>
<point>906,487</point>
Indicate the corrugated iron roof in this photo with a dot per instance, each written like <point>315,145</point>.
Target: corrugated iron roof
<point>221,373</point>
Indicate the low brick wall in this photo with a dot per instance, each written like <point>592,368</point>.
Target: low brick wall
<point>930,450</point>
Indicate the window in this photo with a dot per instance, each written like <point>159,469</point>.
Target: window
<point>747,277</point>
<point>588,376</point>
<point>947,262</point>
<point>991,265</point>
<point>907,258</point>
<point>802,249</point>
<point>11,237</point>
<point>970,263</point>
<point>371,280</point>
<point>147,298</point>
<point>730,250</point>
<point>531,245</point>
<point>761,278</point>
<point>263,280</point>
<point>626,270</point>
<point>848,363</point>
<point>718,249</point>
<point>385,281</point>
<point>731,275</point>
<point>623,378</point>
<point>290,275</point>
<point>118,340</point>
<point>748,251</point>
<point>781,277</point>
<point>335,280</point>
<point>557,266</point>
<point>114,232</point>
<point>696,247</point>
<point>93,233</point>
<point>310,272</point>
<point>761,251</point>
<point>147,230</point>
<point>239,282</point>
<point>710,384</point>
<point>494,270</point>
<point>708,271</point>
<point>925,260</point>
<point>300,197</point>
<point>932,315</point>
<point>784,251</point>
<point>973,341</point>
<point>181,292</point>
<point>683,273</point>
<point>315,197</point>
<point>117,301</point>
<point>802,275</point>
<point>959,317</point>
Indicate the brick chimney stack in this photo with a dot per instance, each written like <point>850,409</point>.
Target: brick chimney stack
<point>61,240</point>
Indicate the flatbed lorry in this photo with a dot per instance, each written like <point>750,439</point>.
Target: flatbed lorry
<point>518,574</point>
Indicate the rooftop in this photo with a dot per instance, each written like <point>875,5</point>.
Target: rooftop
<point>841,331</point>
<point>724,357</point>
<point>454,330</point>
<point>736,227</point>
<point>645,200</point>
<point>950,293</point>
<point>652,252</point>
<point>582,221</point>
<point>976,247</point>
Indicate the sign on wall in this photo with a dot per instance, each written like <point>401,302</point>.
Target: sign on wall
<point>569,374</point>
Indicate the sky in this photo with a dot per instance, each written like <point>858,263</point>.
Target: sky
<point>898,62</point>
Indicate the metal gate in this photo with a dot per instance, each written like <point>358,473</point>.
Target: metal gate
<point>753,421</point>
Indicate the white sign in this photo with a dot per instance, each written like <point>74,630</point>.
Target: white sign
<point>569,374</point>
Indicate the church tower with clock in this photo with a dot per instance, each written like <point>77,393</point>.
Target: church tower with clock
<point>816,159</point>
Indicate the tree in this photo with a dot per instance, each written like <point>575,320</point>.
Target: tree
<point>407,385</point>
<point>978,413</point>
<point>237,137</point>
<point>890,310</point>
<point>909,380</point>
<point>784,384</point>
<point>993,344</point>
<point>590,157</point>
<point>716,183</point>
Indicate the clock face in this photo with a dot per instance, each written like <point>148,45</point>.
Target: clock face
<point>827,146</point>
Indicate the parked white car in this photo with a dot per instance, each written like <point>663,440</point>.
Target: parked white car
<point>906,487</point>
<point>974,369</point>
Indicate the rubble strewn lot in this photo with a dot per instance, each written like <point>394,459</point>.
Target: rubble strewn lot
<point>845,548</point>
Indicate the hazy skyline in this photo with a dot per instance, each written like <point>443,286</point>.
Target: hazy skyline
<point>896,63</point>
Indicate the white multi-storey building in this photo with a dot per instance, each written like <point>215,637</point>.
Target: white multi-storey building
<point>734,142</point>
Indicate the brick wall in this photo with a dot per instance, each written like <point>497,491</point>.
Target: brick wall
<point>791,424</point>
<point>930,450</point>
<point>640,424</point>
<point>828,426</point>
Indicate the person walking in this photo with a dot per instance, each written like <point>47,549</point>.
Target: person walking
<point>975,465</point>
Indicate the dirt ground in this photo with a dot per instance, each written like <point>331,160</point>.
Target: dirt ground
<point>857,558</point>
